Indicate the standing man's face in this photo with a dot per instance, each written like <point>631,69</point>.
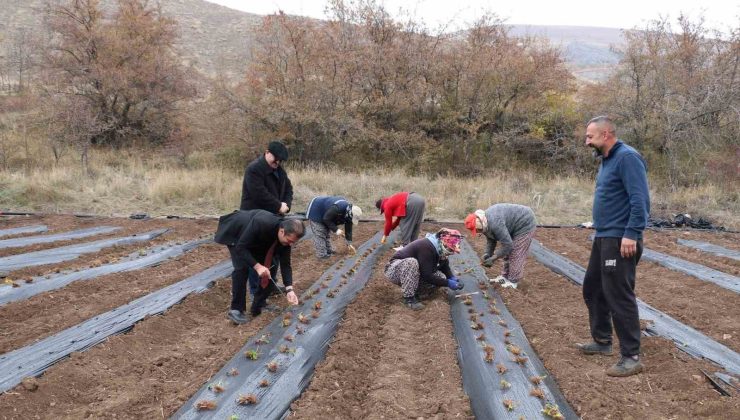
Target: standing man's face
<point>596,138</point>
<point>272,160</point>
<point>286,239</point>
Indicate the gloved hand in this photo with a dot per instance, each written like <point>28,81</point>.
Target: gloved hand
<point>454,284</point>
<point>383,239</point>
<point>485,257</point>
<point>339,232</point>
<point>488,262</point>
<point>351,248</point>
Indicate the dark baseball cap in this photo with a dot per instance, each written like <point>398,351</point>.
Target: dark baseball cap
<point>278,150</point>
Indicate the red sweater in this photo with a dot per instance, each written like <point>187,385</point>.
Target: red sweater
<point>394,206</point>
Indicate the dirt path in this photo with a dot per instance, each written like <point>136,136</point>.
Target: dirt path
<point>152,370</point>
<point>668,244</point>
<point>388,362</point>
<point>554,317</point>
<point>704,306</point>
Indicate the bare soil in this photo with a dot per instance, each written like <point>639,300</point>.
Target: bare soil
<point>154,369</point>
<point>552,313</point>
<point>705,306</point>
<point>388,361</point>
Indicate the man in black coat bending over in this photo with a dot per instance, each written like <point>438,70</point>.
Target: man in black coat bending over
<point>266,185</point>
<point>258,240</point>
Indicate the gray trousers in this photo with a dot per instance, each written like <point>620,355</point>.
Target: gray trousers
<point>411,224</point>
<point>321,240</point>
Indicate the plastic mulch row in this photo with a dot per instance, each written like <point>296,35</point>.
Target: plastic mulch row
<point>501,373</point>
<point>699,271</point>
<point>23,230</point>
<point>686,338</point>
<point>294,341</point>
<point>63,236</point>
<point>711,248</point>
<point>134,261</point>
<point>70,252</point>
<point>34,359</point>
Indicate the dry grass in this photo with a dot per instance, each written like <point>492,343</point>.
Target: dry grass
<point>121,184</point>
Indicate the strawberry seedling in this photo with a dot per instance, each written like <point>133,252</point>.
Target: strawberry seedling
<point>264,339</point>
<point>501,368</point>
<point>552,411</point>
<point>289,338</point>
<point>504,384</point>
<point>233,372</point>
<point>509,404</point>
<point>272,366</point>
<point>264,383</point>
<point>217,388</point>
<point>247,399</point>
<point>205,405</point>
<point>536,380</point>
<point>537,392</point>
<point>252,354</point>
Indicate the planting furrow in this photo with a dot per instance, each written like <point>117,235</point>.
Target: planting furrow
<point>70,252</point>
<point>686,338</point>
<point>711,248</point>
<point>274,367</point>
<point>23,230</point>
<point>134,261</point>
<point>34,359</point>
<point>64,236</point>
<point>501,372</point>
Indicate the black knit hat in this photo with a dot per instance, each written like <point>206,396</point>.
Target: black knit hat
<point>278,150</point>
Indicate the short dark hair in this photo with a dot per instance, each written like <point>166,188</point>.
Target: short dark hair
<point>293,227</point>
<point>603,120</point>
<point>379,203</point>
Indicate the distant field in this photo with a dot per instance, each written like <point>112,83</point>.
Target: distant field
<point>118,186</point>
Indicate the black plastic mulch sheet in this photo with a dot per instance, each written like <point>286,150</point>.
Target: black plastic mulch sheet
<point>134,261</point>
<point>698,271</point>
<point>296,359</point>
<point>63,236</point>
<point>34,359</point>
<point>70,252</point>
<point>23,229</point>
<point>711,248</point>
<point>686,338</point>
<point>484,313</point>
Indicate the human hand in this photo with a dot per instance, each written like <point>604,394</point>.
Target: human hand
<point>488,262</point>
<point>339,232</point>
<point>628,248</point>
<point>383,239</point>
<point>262,271</point>
<point>284,208</point>
<point>292,298</point>
<point>352,249</point>
<point>454,284</point>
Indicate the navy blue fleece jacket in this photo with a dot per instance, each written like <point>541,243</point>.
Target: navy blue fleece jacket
<point>622,198</point>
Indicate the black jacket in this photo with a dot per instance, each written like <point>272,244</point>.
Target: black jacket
<point>265,188</point>
<point>429,261</point>
<point>251,234</point>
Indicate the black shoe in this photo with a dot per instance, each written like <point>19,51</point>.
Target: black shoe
<point>595,348</point>
<point>413,303</point>
<point>238,317</point>
<point>626,366</point>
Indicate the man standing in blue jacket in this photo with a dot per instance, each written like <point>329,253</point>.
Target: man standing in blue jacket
<point>620,213</point>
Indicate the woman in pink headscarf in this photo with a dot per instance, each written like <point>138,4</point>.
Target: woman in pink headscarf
<point>424,263</point>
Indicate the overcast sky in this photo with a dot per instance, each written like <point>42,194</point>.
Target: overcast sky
<point>719,14</point>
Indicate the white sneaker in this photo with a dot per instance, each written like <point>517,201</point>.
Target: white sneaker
<point>398,248</point>
<point>498,280</point>
<point>508,283</point>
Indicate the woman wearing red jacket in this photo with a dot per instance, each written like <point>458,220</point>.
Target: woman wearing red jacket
<point>408,210</point>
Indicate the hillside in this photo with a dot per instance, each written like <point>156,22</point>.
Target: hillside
<point>213,38</point>
<point>218,39</point>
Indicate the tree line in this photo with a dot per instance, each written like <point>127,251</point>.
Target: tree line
<point>362,89</point>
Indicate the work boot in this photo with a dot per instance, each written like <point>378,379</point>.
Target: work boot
<point>594,347</point>
<point>626,366</point>
<point>509,283</point>
<point>238,317</point>
<point>413,303</point>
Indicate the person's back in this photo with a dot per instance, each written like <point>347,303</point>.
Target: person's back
<point>517,219</point>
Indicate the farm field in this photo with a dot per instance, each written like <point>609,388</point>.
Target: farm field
<point>384,361</point>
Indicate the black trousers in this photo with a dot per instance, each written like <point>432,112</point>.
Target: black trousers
<point>609,293</point>
<point>239,282</point>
